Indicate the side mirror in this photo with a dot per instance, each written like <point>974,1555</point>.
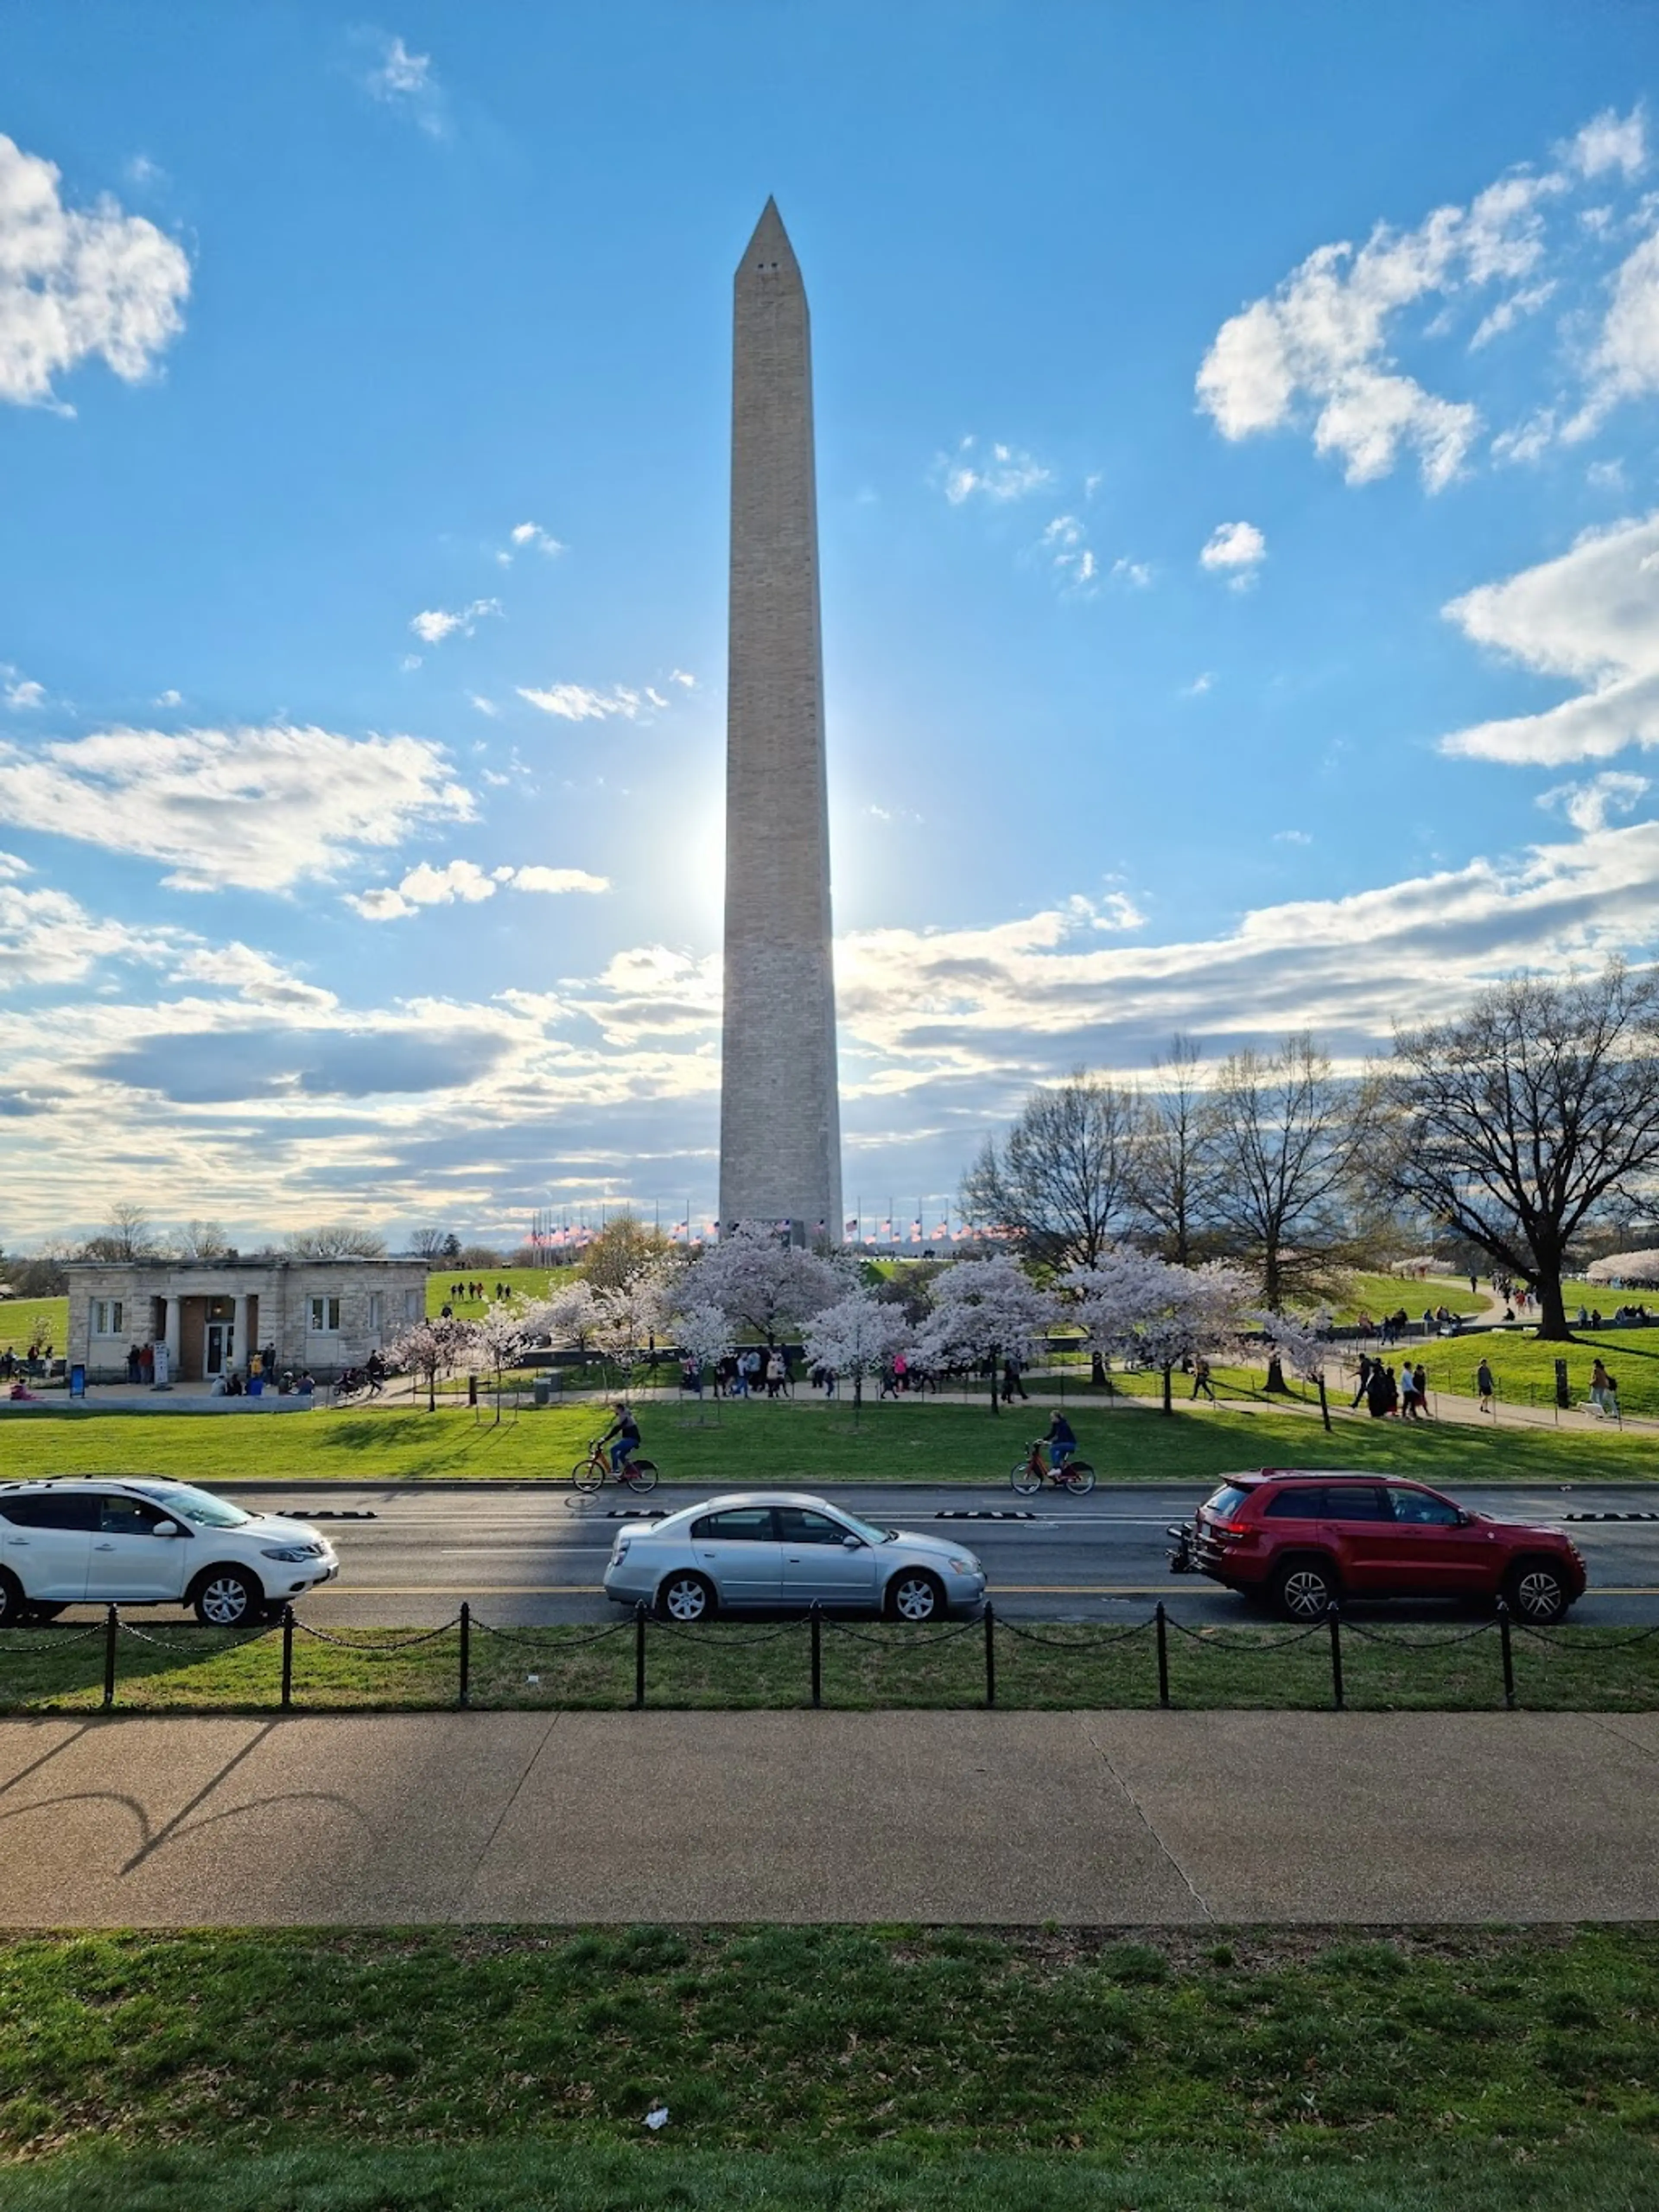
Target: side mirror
<point>166,1528</point>
<point>852,1544</point>
<point>1463,1518</point>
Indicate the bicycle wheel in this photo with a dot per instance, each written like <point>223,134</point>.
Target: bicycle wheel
<point>1026,1478</point>
<point>1079,1477</point>
<point>641,1474</point>
<point>588,1473</point>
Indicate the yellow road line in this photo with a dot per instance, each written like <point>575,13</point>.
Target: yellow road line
<point>997,1590</point>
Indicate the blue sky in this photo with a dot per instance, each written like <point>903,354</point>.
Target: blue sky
<point>1240,573</point>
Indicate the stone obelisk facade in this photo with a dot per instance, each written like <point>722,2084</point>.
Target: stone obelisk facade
<point>780,1106</point>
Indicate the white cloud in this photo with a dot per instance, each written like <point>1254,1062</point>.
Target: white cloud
<point>1066,543</point>
<point>558,880</point>
<point>1587,806</point>
<point>997,472</point>
<point>525,535</point>
<point>1236,550</point>
<point>435,624</point>
<point>47,938</point>
<point>22,694</point>
<point>78,282</point>
<point>406,81</point>
<point>484,705</point>
<point>170,699</point>
<point>1591,615</point>
<point>464,880</point>
<point>1610,140</point>
<point>1508,312</point>
<point>1291,837</point>
<point>1205,680</point>
<point>1624,361</point>
<point>576,702</point>
<point>258,807</point>
<point>680,676</point>
<point>254,975</point>
<point>1136,572</point>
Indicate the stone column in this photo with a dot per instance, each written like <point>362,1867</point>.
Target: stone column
<point>240,1345</point>
<point>170,1334</point>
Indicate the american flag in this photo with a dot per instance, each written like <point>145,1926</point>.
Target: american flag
<point>680,1229</point>
<point>886,1229</point>
<point>850,1227</point>
<point>944,1229</point>
<point>915,1232</point>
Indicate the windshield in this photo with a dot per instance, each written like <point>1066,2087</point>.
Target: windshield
<point>868,1530</point>
<point>191,1504</point>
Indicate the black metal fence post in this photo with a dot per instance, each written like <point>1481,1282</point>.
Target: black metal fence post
<point>639,1655</point>
<point>990,1653</point>
<point>111,1630</point>
<point>1508,1649</point>
<point>465,1694</point>
<point>1163,1654</point>
<point>1336,1658</point>
<point>287,1657</point>
<point>817,1624</point>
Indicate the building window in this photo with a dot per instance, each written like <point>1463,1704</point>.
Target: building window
<point>414,1304</point>
<point>376,1310</point>
<point>106,1316</point>
<point>325,1317</point>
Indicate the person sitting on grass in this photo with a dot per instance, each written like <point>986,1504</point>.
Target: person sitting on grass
<point>626,1430</point>
<point>1060,1441</point>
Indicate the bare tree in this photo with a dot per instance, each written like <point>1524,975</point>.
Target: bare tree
<point>1288,1138</point>
<point>1058,1185</point>
<point>1515,1125</point>
<point>336,1240</point>
<point>202,1240</point>
<point>1172,1168</point>
<point>428,1244</point>
<point>126,1235</point>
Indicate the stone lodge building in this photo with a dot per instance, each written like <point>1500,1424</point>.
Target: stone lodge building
<point>212,1314</point>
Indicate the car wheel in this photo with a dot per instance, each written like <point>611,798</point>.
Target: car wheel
<point>915,1595</point>
<point>1537,1593</point>
<point>13,1606</point>
<point>685,1598</point>
<point>1079,1478</point>
<point>1026,1478</point>
<point>1304,1589</point>
<point>225,1597</point>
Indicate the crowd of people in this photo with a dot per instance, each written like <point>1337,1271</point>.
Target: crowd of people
<point>1385,1394</point>
<point>473,1290</point>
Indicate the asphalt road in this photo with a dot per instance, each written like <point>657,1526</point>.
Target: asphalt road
<point>527,1556</point>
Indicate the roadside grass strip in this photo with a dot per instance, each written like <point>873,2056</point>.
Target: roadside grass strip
<point>180,1667</point>
<point>875,2067</point>
<point>798,1444</point>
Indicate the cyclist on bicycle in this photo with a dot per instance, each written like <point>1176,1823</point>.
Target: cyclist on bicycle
<point>1061,1443</point>
<point>626,1430</point>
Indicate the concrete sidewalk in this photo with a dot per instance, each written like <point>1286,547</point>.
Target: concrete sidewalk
<point>1084,1818</point>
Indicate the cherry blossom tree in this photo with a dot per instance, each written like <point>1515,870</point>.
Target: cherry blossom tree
<point>703,1333</point>
<point>498,1342</point>
<point>761,1283</point>
<point>857,1336</point>
<point>982,1310</point>
<point>1140,1308</point>
<point>436,1347</point>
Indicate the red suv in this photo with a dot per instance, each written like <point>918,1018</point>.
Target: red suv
<point>1305,1541</point>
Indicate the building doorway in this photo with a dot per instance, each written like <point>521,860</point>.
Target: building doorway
<point>220,1353</point>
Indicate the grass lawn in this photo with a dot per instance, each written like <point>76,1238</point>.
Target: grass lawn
<point>1524,1369</point>
<point>24,1320</point>
<point>522,1282</point>
<point>886,2068</point>
<point>794,1442</point>
<point>1377,1295</point>
<point>177,1666</point>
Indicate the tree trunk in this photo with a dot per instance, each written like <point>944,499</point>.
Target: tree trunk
<point>996,1380</point>
<point>1167,1407</point>
<point>1276,1382</point>
<point>1096,1368</point>
<point>1552,1311</point>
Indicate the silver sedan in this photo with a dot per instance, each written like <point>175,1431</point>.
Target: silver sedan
<point>778,1548</point>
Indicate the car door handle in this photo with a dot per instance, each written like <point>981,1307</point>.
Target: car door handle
<point>103,1548</point>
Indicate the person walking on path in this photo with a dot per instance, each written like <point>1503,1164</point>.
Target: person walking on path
<point>1486,1387</point>
<point>1377,1391</point>
<point>1407,1391</point>
<point>1598,1387</point>
<point>1367,1366</point>
<point>1010,1381</point>
<point>1420,1393</point>
<point>1201,1378</point>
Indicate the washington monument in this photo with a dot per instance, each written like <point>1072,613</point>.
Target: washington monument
<point>779,1108</point>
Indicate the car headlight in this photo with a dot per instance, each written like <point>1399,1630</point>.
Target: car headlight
<point>963,1566</point>
<point>291,1554</point>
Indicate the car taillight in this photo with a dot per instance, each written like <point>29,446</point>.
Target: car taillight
<point>1231,1527</point>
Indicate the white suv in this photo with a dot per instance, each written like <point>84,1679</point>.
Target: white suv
<point>95,1541</point>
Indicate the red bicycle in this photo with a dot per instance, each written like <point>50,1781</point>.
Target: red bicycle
<point>1032,1472</point>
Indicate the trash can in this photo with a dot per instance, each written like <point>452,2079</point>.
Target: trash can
<point>543,1391</point>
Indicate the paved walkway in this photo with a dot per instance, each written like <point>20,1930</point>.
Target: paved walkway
<point>1102,1819</point>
